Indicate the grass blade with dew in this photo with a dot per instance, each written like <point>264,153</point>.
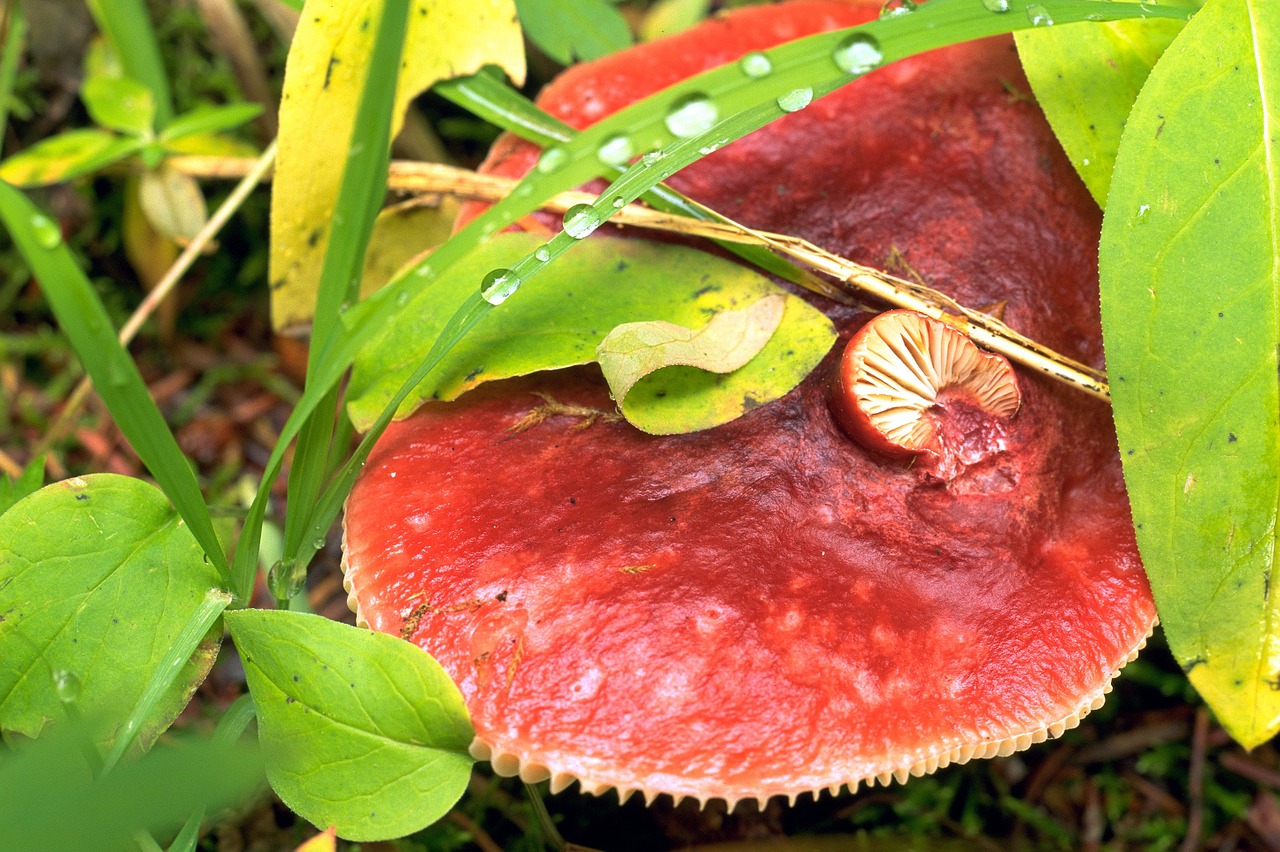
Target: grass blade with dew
<point>488,96</point>
<point>128,29</point>
<point>360,198</point>
<point>813,66</point>
<point>184,645</point>
<point>86,324</point>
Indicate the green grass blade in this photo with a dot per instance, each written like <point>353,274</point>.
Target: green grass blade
<point>84,320</point>
<point>489,97</point>
<point>128,29</point>
<point>359,199</point>
<point>202,621</point>
<point>15,35</point>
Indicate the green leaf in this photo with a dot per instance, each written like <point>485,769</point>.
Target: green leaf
<point>668,17</point>
<point>324,77</point>
<point>120,103</point>
<point>361,730</point>
<point>133,40</point>
<point>50,800</point>
<point>587,29</point>
<point>1190,266</point>
<point>66,156</point>
<point>85,321</point>
<point>1086,79</point>
<point>727,343</point>
<point>208,118</point>
<point>98,576</point>
<point>28,482</point>
<point>560,322</point>
<point>210,145</point>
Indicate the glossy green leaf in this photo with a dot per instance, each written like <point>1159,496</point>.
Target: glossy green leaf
<point>565,29</point>
<point>208,118</point>
<point>324,79</point>
<point>560,322</point>
<point>1190,266</point>
<point>98,576</point>
<point>362,731</point>
<point>27,482</point>
<point>1085,79</point>
<point>668,17</point>
<point>727,343</point>
<point>66,156</point>
<point>119,103</point>
<point>50,800</point>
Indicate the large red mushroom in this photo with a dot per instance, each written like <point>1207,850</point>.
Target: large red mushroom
<point>770,607</point>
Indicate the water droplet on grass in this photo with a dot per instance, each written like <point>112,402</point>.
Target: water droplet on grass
<point>616,150</point>
<point>755,65</point>
<point>67,686</point>
<point>997,6</point>
<point>542,255</point>
<point>1039,16</point>
<point>858,54</point>
<point>895,8</point>
<point>498,286</point>
<point>795,100</point>
<point>47,232</point>
<point>580,220</point>
<point>692,115</point>
<point>552,159</point>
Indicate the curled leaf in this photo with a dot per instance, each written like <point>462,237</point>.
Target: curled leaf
<point>731,339</point>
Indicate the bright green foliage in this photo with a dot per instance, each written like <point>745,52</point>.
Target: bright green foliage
<point>564,29</point>
<point>97,577</point>
<point>1190,267</point>
<point>726,344</point>
<point>49,798</point>
<point>1086,79</point>
<point>361,730</point>
<point>561,320</point>
<point>27,482</point>
<point>66,156</point>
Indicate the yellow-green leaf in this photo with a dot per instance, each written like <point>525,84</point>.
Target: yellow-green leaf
<point>173,203</point>
<point>323,79</point>
<point>725,344</point>
<point>402,233</point>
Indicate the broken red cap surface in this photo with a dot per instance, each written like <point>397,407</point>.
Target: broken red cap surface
<point>768,608</point>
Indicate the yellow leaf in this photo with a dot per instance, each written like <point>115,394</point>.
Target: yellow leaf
<point>403,232</point>
<point>323,78</point>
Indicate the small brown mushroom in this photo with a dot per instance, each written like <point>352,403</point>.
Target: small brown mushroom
<point>909,384</point>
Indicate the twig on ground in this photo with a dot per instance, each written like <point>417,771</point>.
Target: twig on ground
<point>1195,783</point>
<point>254,175</point>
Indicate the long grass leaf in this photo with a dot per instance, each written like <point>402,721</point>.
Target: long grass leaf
<point>15,34</point>
<point>85,321</point>
<point>360,197</point>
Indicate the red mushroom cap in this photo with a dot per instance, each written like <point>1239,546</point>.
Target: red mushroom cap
<point>767,608</point>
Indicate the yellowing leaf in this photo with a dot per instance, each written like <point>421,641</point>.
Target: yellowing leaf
<point>402,233</point>
<point>731,339</point>
<point>173,203</point>
<point>323,79</point>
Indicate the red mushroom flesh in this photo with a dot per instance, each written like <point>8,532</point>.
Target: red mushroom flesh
<point>767,608</point>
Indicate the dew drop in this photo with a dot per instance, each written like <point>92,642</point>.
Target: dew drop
<point>1039,16</point>
<point>66,686</point>
<point>48,234</point>
<point>1143,210</point>
<point>542,255</point>
<point>691,115</point>
<point>498,286</point>
<point>858,54</point>
<point>318,543</point>
<point>896,8</point>
<point>796,99</point>
<point>619,203</point>
<point>402,298</point>
<point>580,220</point>
<point>552,159</point>
<point>997,6</point>
<point>652,158</point>
<point>755,65</point>
<point>616,151</point>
